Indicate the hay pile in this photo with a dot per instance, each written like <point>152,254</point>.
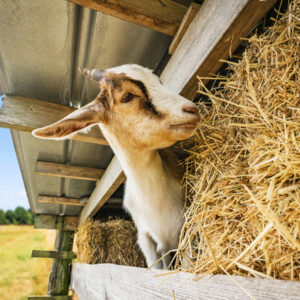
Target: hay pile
<point>243,172</point>
<point>113,241</point>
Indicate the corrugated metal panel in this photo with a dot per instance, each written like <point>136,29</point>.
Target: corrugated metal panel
<point>42,44</point>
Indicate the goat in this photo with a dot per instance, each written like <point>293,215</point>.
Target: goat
<point>139,117</point>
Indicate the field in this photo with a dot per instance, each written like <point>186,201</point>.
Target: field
<point>21,275</point>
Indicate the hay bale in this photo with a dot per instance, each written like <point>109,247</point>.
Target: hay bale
<point>113,241</point>
<point>243,172</point>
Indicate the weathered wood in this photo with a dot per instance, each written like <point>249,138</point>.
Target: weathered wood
<point>163,16</point>
<point>214,34</point>
<point>67,171</point>
<point>185,23</point>
<point>60,274</point>
<point>69,255</point>
<point>62,200</point>
<point>112,178</point>
<point>108,281</point>
<point>49,298</point>
<point>27,114</point>
<point>69,223</point>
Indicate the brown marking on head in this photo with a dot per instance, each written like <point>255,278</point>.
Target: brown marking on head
<point>134,107</point>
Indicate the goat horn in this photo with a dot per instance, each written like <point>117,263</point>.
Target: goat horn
<point>94,74</point>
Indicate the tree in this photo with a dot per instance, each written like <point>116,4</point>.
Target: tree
<point>10,216</point>
<point>30,217</point>
<point>20,215</point>
<point>3,219</point>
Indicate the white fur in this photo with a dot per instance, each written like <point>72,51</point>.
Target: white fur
<point>136,130</point>
<point>153,196</point>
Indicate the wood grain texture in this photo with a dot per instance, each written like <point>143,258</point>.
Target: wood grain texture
<point>49,298</point>
<point>108,281</point>
<point>163,16</point>
<point>54,254</point>
<point>185,23</point>
<point>62,200</point>
<point>67,171</point>
<point>60,273</point>
<point>68,223</point>
<point>112,178</point>
<point>214,34</point>
<point>27,114</point>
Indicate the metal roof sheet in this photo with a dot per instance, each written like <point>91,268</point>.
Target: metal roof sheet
<point>42,44</point>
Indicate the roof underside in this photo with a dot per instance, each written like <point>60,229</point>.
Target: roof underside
<point>42,45</point>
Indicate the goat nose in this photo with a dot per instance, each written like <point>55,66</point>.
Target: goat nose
<point>190,109</point>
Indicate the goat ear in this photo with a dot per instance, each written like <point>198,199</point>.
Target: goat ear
<point>78,120</point>
<point>94,74</point>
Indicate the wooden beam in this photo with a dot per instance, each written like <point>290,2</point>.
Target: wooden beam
<point>214,34</point>
<point>112,178</point>
<point>68,223</point>
<point>67,171</point>
<point>54,254</point>
<point>62,200</point>
<point>163,16</point>
<point>27,114</point>
<point>185,23</point>
<point>50,298</point>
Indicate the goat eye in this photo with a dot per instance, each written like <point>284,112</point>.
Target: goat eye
<point>127,98</point>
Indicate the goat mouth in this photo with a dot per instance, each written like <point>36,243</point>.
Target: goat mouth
<point>184,126</point>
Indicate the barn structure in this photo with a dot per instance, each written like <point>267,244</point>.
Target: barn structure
<point>42,45</point>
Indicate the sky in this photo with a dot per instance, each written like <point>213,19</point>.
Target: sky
<point>12,190</point>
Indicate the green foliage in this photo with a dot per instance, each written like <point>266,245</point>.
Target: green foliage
<point>10,216</point>
<point>3,219</point>
<point>19,216</point>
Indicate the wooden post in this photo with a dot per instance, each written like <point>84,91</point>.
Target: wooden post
<point>60,274</point>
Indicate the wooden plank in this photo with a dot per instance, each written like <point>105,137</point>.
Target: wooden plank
<point>69,255</point>
<point>60,273</point>
<point>134,283</point>
<point>62,200</point>
<point>69,223</point>
<point>67,171</point>
<point>27,114</point>
<point>163,16</point>
<point>112,178</point>
<point>49,298</point>
<point>214,34</point>
<point>185,23</point>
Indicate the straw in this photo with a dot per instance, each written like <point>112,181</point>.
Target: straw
<point>243,170</point>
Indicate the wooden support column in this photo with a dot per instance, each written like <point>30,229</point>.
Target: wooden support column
<point>185,23</point>
<point>60,274</point>
<point>214,34</point>
<point>106,186</point>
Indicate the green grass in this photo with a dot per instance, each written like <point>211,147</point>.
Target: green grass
<point>20,274</point>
